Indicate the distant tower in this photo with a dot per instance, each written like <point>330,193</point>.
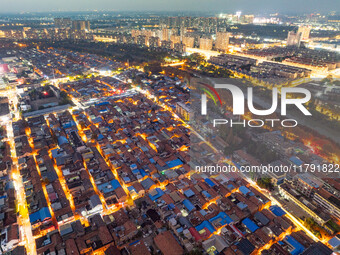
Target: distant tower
<point>238,15</point>
<point>62,22</point>
<point>205,43</point>
<point>294,39</point>
<point>305,32</point>
<point>182,32</point>
<point>222,41</point>
<point>165,34</point>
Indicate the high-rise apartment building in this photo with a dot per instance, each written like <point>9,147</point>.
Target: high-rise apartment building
<point>179,47</point>
<point>81,25</point>
<point>305,31</point>
<point>293,39</point>
<point>142,40</point>
<point>222,41</point>
<point>62,22</point>
<point>154,42</point>
<point>165,34</point>
<point>206,43</point>
<point>166,44</point>
<point>175,39</point>
<point>189,41</point>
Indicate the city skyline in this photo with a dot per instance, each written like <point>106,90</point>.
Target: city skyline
<point>260,6</point>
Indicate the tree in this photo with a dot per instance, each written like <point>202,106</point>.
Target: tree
<point>328,79</point>
<point>265,183</point>
<point>154,68</point>
<point>196,59</point>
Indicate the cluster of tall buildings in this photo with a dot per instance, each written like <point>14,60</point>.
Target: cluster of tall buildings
<point>207,22</point>
<point>47,33</point>
<point>172,38</point>
<point>204,24</point>
<point>74,24</point>
<point>64,28</point>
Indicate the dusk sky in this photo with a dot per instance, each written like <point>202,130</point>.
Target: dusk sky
<point>255,6</point>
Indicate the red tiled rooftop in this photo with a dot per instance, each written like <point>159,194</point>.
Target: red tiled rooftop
<point>166,242</point>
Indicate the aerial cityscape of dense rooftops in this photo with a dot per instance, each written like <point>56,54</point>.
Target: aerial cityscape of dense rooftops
<point>99,138</point>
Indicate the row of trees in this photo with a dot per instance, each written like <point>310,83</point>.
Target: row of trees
<point>198,63</point>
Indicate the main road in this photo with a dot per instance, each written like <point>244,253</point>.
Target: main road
<point>26,234</point>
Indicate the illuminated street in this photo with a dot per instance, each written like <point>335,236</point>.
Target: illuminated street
<point>23,219</point>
